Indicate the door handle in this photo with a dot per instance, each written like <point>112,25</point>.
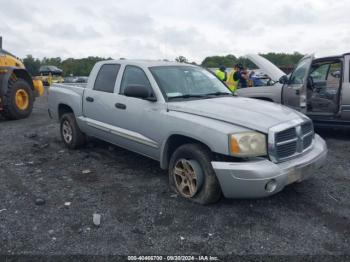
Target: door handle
<point>297,92</point>
<point>120,106</point>
<point>90,99</point>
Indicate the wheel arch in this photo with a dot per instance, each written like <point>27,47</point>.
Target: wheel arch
<point>173,142</point>
<point>18,72</point>
<point>63,109</point>
<point>23,74</point>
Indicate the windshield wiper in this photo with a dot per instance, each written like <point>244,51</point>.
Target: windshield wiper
<point>186,96</point>
<point>202,96</point>
<point>219,94</point>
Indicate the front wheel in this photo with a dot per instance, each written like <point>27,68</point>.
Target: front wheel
<point>71,134</point>
<point>18,100</point>
<point>192,176</point>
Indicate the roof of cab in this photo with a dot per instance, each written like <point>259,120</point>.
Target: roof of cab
<point>324,58</point>
<point>144,63</point>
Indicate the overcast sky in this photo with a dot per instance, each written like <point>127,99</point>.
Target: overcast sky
<point>158,29</point>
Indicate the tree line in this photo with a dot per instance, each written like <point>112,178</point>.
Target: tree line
<point>83,66</point>
<point>282,60</point>
<point>70,66</point>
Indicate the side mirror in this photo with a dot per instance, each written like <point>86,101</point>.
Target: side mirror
<point>139,91</point>
<point>284,79</point>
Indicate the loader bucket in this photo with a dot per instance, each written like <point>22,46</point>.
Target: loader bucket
<point>38,87</point>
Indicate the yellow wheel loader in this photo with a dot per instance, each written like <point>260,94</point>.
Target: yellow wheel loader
<point>17,88</point>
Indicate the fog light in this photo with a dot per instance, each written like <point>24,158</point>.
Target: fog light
<point>271,186</point>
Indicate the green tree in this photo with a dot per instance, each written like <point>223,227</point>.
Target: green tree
<point>217,61</point>
<point>181,59</point>
<point>32,64</point>
<point>56,61</point>
<point>283,59</point>
<point>80,67</point>
<point>70,66</point>
<point>279,59</point>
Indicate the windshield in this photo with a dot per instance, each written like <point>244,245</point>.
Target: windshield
<point>187,82</point>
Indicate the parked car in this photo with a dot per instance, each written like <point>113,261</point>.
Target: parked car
<point>70,79</point>
<point>50,74</point>
<point>184,117</point>
<point>81,79</point>
<point>319,88</point>
<point>48,69</point>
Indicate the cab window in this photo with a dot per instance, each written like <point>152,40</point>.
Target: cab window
<point>134,75</point>
<point>320,72</point>
<point>106,78</point>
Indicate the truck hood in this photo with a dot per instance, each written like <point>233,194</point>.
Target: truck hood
<point>249,113</point>
<point>269,68</point>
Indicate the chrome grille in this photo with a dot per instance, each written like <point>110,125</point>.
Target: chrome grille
<point>307,141</point>
<point>286,142</point>
<point>286,134</point>
<point>307,128</point>
<point>286,150</point>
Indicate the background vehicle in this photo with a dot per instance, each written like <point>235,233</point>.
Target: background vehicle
<point>258,78</point>
<point>50,70</point>
<point>180,116</point>
<point>50,74</point>
<point>17,88</point>
<point>70,79</point>
<point>82,79</point>
<point>319,88</point>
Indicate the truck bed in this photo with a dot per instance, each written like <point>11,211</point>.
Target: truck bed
<point>70,94</point>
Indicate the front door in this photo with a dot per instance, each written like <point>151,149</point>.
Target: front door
<point>324,87</point>
<point>140,119</point>
<point>294,92</point>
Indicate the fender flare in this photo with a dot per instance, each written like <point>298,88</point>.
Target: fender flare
<point>165,146</point>
<point>19,72</point>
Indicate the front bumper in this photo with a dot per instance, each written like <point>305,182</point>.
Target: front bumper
<point>250,179</point>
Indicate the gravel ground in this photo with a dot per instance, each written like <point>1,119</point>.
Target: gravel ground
<point>139,213</point>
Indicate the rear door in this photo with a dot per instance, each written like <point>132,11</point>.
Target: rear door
<point>99,101</point>
<point>294,92</point>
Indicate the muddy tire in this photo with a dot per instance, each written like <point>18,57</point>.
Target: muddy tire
<point>18,99</point>
<point>71,134</point>
<point>192,176</point>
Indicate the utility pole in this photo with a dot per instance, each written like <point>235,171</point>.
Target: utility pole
<point>0,42</point>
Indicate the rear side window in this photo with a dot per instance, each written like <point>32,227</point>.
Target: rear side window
<point>134,76</point>
<point>106,78</point>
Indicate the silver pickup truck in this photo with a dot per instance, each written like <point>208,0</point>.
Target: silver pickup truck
<point>318,87</point>
<point>184,117</point>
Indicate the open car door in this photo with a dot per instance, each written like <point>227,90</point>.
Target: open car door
<point>294,91</point>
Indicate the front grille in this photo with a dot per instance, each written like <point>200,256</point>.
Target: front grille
<point>286,150</point>
<point>307,141</point>
<point>307,128</point>
<point>286,134</point>
<point>291,141</point>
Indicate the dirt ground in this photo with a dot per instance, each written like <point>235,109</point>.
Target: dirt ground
<point>139,213</point>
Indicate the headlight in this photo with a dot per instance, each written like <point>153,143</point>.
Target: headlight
<point>247,144</point>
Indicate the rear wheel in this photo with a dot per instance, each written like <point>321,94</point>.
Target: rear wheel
<point>18,100</point>
<point>192,176</point>
<point>71,134</point>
